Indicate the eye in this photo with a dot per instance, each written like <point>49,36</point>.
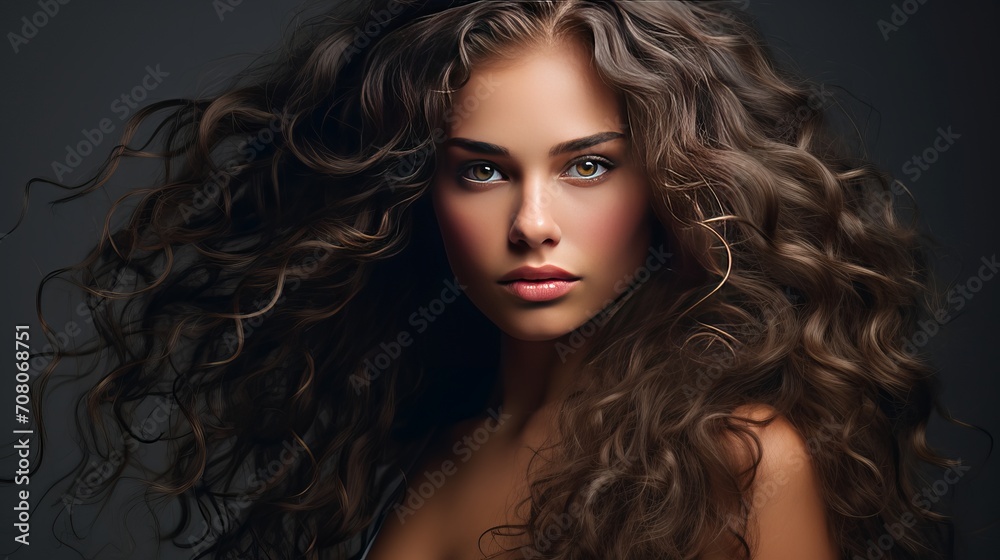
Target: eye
<point>590,167</point>
<point>481,173</point>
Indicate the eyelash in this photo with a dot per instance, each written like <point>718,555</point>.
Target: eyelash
<point>601,160</point>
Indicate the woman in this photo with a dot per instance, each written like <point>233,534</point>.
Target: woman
<point>557,279</point>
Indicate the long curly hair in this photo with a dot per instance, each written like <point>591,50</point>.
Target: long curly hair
<point>258,289</point>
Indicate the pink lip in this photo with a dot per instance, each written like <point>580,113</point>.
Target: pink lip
<point>539,290</point>
<point>547,272</point>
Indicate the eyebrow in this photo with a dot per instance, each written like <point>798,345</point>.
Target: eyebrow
<point>561,148</point>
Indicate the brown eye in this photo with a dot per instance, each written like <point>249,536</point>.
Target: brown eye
<point>587,168</point>
<point>481,173</point>
<point>590,168</point>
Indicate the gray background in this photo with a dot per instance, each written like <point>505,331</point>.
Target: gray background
<point>936,70</point>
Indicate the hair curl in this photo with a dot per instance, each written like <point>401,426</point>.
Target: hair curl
<point>250,293</point>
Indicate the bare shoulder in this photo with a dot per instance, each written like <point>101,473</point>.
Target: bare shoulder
<point>783,447</point>
<point>788,514</point>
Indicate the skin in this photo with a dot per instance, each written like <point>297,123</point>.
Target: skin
<point>531,206</point>
<point>788,515</point>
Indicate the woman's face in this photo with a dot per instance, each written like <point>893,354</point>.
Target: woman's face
<point>535,172</point>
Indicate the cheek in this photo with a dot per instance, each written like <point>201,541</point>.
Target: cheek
<point>465,230</point>
<point>614,230</point>
<point>619,226</point>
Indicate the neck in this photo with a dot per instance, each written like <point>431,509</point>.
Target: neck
<point>534,378</point>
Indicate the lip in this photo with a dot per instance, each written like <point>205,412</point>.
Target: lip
<point>539,290</point>
<point>547,272</point>
<point>542,283</point>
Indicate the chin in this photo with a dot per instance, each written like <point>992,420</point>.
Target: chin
<point>534,328</point>
<point>534,335</point>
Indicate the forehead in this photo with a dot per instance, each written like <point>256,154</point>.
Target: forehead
<point>541,96</point>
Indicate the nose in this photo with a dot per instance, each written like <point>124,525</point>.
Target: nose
<point>533,224</point>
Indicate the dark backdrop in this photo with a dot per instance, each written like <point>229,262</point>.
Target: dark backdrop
<point>927,75</point>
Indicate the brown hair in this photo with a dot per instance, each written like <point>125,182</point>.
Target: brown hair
<point>260,291</point>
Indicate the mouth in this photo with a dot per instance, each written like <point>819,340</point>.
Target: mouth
<point>542,283</point>
<point>539,290</point>
<point>531,274</point>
